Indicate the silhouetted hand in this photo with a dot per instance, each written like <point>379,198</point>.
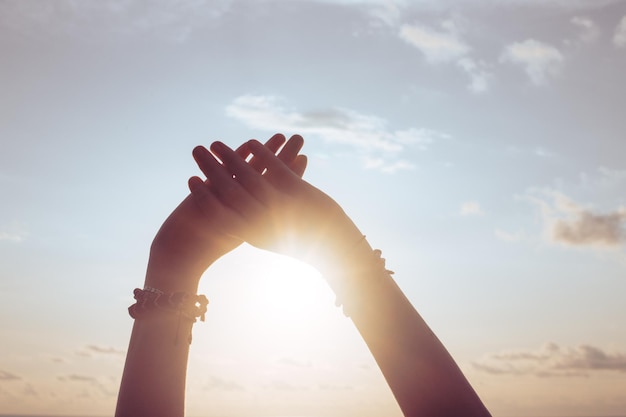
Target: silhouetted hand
<point>277,211</point>
<point>191,239</point>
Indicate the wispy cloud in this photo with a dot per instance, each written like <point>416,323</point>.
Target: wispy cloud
<point>217,383</point>
<point>471,208</point>
<point>77,378</point>
<point>378,146</point>
<point>539,60</point>
<point>104,389</point>
<point>437,46</point>
<point>552,360</point>
<point>568,222</point>
<point>446,46</point>
<point>8,376</point>
<point>478,73</point>
<point>619,37</point>
<point>14,232</point>
<point>589,31</point>
<point>104,350</point>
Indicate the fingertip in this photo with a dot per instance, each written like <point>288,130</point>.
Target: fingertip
<point>254,144</point>
<point>297,139</point>
<point>218,146</point>
<point>278,136</point>
<point>299,165</point>
<point>199,151</point>
<point>275,142</point>
<point>195,184</point>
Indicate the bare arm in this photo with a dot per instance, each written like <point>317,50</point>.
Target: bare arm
<point>188,242</point>
<point>288,215</point>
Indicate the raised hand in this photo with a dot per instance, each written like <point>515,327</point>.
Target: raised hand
<point>277,211</point>
<point>191,239</point>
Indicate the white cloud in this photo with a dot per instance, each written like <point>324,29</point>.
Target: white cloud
<point>539,60</point>
<point>619,37</point>
<point>378,146</point>
<point>479,76</point>
<point>589,31</point>
<point>445,47</point>
<point>15,232</point>
<point>569,223</point>
<point>552,360</point>
<point>436,46</point>
<point>471,208</point>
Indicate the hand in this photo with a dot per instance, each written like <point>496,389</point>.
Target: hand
<point>277,211</point>
<point>190,240</point>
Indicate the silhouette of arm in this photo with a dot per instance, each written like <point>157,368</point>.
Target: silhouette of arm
<point>284,213</point>
<point>188,242</point>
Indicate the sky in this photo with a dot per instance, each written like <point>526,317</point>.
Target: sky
<point>479,144</point>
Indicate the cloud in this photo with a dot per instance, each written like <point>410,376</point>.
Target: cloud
<point>437,46</point>
<point>105,350</point>
<point>367,134</point>
<point>77,378</point>
<point>589,31</point>
<point>30,391</point>
<point>567,222</point>
<point>607,180</point>
<point>8,376</point>
<point>539,60</point>
<point>445,47</point>
<point>591,229</point>
<point>552,360</point>
<point>90,381</point>
<point>14,232</point>
<point>471,208</point>
<point>619,37</point>
<point>479,75</point>
<point>217,383</point>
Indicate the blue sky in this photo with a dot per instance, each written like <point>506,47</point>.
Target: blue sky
<point>478,143</point>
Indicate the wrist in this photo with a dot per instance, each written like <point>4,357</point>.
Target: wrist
<point>174,271</point>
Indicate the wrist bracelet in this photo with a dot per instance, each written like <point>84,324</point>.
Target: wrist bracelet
<point>151,300</point>
<point>349,286</point>
<point>186,305</point>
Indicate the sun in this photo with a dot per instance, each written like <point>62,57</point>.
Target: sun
<point>291,292</point>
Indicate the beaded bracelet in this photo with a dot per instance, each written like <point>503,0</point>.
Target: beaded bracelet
<point>188,306</point>
<point>185,305</point>
<point>349,285</point>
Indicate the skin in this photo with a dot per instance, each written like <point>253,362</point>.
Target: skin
<point>265,202</point>
<point>188,242</point>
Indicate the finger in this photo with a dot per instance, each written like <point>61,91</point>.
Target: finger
<point>223,185</point>
<point>291,149</point>
<point>278,173</point>
<point>242,173</point>
<point>273,144</point>
<point>211,206</point>
<point>298,166</point>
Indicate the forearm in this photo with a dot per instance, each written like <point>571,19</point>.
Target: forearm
<point>153,382</point>
<point>422,375</point>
